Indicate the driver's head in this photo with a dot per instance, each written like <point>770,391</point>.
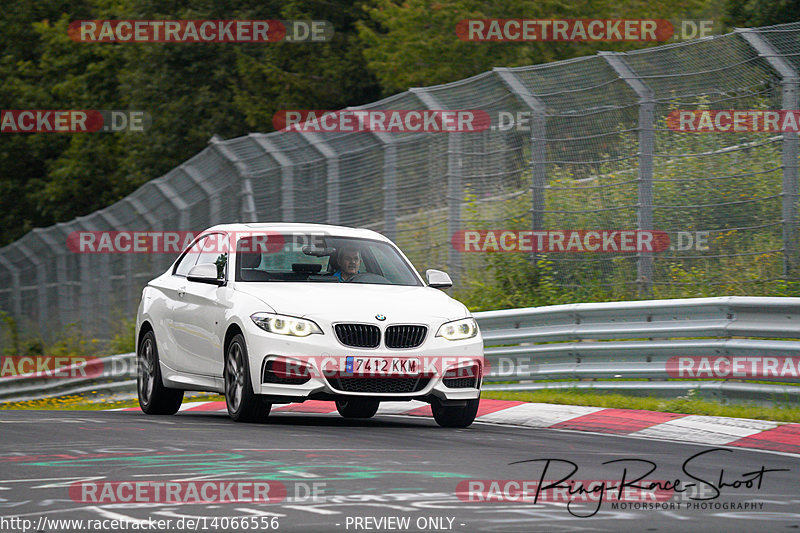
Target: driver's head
<point>349,260</point>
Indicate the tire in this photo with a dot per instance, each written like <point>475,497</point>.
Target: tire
<point>455,417</point>
<point>154,397</point>
<point>357,407</point>
<point>243,404</point>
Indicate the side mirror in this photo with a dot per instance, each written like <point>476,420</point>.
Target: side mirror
<point>438,279</point>
<point>205,273</point>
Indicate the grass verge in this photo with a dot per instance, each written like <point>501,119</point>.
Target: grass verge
<point>683,404</point>
<point>90,403</point>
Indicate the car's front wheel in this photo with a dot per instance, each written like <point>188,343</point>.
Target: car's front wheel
<point>455,416</point>
<point>357,407</point>
<point>243,404</point>
<point>154,397</point>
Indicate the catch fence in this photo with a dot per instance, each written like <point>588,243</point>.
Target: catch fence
<point>595,153</point>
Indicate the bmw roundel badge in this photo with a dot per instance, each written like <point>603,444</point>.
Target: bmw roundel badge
<point>380,317</point>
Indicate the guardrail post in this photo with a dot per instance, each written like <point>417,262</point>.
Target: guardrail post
<point>538,145</point>
<point>248,209</point>
<point>646,150</point>
<point>455,191</point>
<point>790,82</point>
<point>287,175</point>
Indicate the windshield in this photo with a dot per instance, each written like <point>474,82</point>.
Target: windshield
<point>276,257</point>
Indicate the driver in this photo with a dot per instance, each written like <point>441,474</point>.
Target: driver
<point>348,261</point>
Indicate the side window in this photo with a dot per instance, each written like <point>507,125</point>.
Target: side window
<point>189,259</point>
<point>215,251</point>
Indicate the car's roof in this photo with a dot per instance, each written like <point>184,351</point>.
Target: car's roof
<point>341,231</point>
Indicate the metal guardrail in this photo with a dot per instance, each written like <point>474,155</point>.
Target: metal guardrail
<point>583,343</point>
<point>580,343</point>
<point>118,374</point>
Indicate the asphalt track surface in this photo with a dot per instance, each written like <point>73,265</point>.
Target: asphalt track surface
<point>393,468</point>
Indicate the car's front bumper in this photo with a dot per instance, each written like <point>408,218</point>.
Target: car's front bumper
<point>327,359</point>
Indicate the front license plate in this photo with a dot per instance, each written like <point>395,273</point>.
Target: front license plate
<point>381,366</point>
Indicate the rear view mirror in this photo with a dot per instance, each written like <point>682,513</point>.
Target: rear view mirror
<point>438,279</point>
<point>205,273</point>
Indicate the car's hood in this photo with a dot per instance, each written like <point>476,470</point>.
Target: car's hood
<point>355,301</point>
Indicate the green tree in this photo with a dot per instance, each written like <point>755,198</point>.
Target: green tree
<point>753,13</point>
<point>414,43</point>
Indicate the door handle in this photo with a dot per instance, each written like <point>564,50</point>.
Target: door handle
<point>182,291</point>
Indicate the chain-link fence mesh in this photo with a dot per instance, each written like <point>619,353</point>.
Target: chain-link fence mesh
<point>595,153</point>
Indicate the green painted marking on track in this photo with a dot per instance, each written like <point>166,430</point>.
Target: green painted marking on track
<point>223,463</point>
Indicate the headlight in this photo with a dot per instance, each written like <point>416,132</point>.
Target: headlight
<point>466,328</point>
<point>285,325</point>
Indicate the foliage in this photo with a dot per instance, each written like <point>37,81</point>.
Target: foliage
<point>413,43</point>
<point>752,13</point>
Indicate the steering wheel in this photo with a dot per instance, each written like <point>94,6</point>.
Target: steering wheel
<point>369,277</point>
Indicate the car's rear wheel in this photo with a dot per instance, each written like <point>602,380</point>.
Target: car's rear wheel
<point>243,404</point>
<point>357,407</point>
<point>455,416</point>
<point>154,397</point>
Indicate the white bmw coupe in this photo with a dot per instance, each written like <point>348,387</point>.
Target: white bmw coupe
<point>279,313</point>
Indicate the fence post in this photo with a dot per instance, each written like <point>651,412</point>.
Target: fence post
<point>790,82</point>
<point>389,187</point>
<point>95,285</point>
<point>455,190</point>
<point>248,209</point>
<point>646,128</point>
<point>389,180</point>
<point>174,198</point>
<point>59,249</point>
<point>16,299</point>
<point>538,145</point>
<point>214,208</point>
<point>139,209</point>
<point>332,165</point>
<point>287,176</point>
<point>41,286</point>
<point>128,294</point>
